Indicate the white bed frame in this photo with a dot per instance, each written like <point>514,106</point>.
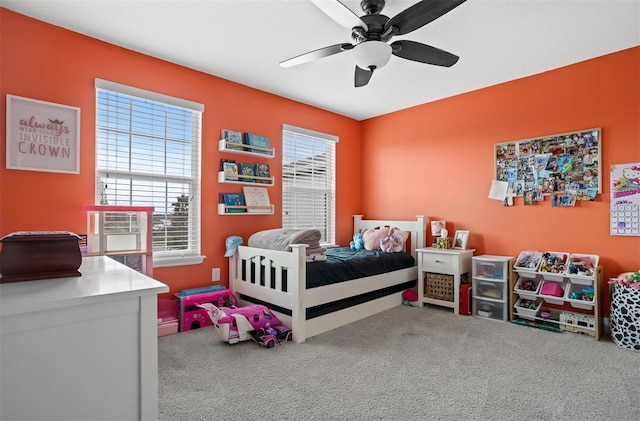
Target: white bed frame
<point>297,299</point>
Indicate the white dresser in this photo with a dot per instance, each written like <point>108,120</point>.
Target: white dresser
<point>80,348</point>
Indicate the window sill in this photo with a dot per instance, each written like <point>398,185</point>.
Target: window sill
<point>184,260</point>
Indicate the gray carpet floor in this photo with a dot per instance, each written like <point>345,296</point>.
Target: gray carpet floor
<point>406,363</point>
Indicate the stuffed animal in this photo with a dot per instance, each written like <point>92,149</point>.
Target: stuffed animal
<point>372,237</point>
<point>357,243</point>
<point>394,242</point>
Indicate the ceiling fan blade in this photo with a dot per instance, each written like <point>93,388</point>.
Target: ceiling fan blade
<point>340,13</point>
<point>316,54</point>
<point>420,14</point>
<point>362,77</point>
<point>423,53</point>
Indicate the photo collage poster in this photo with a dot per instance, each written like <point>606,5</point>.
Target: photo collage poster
<point>566,167</point>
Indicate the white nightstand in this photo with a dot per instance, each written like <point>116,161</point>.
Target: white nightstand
<point>449,262</point>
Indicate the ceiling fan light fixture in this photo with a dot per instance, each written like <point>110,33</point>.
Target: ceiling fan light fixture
<point>372,54</point>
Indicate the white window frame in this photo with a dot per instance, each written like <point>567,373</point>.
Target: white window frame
<point>322,187</point>
<point>164,258</point>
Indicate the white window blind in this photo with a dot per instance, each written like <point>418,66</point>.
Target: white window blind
<point>308,181</point>
<point>148,154</point>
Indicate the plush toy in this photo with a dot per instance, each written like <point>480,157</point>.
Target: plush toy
<point>372,237</point>
<point>394,242</point>
<point>357,243</point>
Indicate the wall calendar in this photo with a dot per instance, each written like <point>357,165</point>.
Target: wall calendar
<point>625,199</point>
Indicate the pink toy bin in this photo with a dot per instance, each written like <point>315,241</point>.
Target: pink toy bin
<point>167,316</point>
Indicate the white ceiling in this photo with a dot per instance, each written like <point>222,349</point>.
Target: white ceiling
<point>244,40</point>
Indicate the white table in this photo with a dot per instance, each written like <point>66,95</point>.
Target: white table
<point>80,348</point>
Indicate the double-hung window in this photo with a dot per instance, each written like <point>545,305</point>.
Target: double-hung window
<point>148,154</point>
<point>308,181</point>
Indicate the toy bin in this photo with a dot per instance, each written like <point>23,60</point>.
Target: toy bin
<point>580,296</point>
<point>527,288</point>
<point>625,316</point>
<point>553,292</point>
<point>167,316</point>
<point>528,309</point>
<point>527,263</point>
<point>582,268</point>
<point>553,265</point>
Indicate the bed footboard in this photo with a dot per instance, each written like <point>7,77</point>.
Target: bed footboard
<point>257,273</point>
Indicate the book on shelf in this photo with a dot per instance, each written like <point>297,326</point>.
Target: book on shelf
<point>230,169</point>
<point>233,201</point>
<point>262,170</point>
<point>247,169</point>
<point>261,142</point>
<point>233,139</point>
<point>257,199</point>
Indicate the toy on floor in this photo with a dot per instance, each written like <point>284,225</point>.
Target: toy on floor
<point>410,298</point>
<point>271,336</point>
<point>233,325</point>
<point>191,315</point>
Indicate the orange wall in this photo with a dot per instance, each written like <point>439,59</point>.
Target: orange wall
<point>445,149</point>
<point>49,63</point>
<point>435,159</point>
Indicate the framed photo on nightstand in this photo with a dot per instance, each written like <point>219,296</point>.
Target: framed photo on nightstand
<point>460,240</point>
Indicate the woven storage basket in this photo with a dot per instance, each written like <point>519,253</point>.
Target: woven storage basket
<point>439,286</point>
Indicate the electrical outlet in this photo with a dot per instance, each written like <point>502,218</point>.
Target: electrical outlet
<point>215,274</point>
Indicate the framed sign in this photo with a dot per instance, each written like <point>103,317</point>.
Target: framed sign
<point>42,136</point>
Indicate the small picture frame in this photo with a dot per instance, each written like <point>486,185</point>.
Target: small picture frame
<point>460,240</point>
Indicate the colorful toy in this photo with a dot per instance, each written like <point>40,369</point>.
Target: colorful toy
<point>357,243</point>
<point>192,315</point>
<point>553,263</point>
<point>271,336</point>
<point>410,298</point>
<point>233,325</point>
<point>630,279</point>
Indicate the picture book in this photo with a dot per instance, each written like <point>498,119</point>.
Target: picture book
<point>261,142</point>
<point>230,169</point>
<point>231,200</point>
<point>257,199</point>
<point>262,170</point>
<point>224,160</point>
<point>247,169</point>
<point>234,139</point>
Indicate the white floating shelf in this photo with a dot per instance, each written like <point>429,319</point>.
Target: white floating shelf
<point>248,210</point>
<point>223,146</point>
<point>258,180</point>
